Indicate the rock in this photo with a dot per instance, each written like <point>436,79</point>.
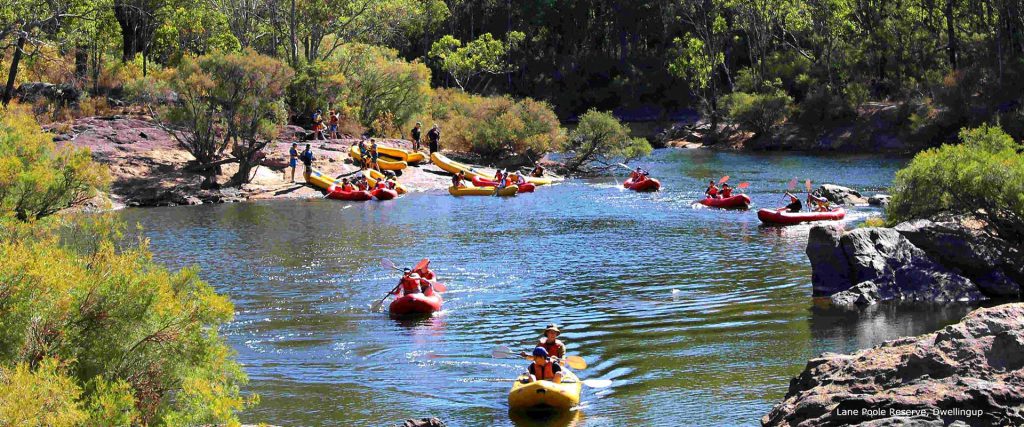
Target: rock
<point>422,422</point>
<point>841,195</point>
<point>969,373</point>
<point>963,245</point>
<point>868,265</point>
<point>879,200</point>
<point>63,94</point>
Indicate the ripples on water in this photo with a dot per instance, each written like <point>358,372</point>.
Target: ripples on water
<point>700,316</point>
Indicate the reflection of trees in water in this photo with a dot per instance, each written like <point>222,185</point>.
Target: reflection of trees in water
<point>841,329</point>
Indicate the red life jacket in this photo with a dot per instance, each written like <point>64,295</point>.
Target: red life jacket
<point>553,348</point>
<point>727,193</point>
<point>410,286</point>
<point>712,191</point>
<point>547,372</point>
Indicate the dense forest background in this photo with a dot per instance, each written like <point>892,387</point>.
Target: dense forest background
<point>943,64</point>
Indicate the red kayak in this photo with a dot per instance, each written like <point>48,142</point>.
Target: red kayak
<point>644,185</point>
<point>417,304</point>
<point>739,201</point>
<point>525,187</point>
<point>384,193</point>
<point>355,196</point>
<point>783,217</point>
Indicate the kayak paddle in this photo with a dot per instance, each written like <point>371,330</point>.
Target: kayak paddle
<point>723,180</point>
<point>807,185</point>
<point>502,352</point>
<point>387,263</point>
<point>792,185</point>
<point>597,383</point>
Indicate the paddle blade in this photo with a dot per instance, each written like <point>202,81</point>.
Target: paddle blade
<point>576,362</point>
<point>723,180</point>
<point>597,383</point>
<point>501,352</point>
<point>423,264</point>
<point>625,166</point>
<point>743,185</point>
<point>439,287</point>
<point>377,305</point>
<point>807,185</point>
<point>387,263</point>
<point>792,184</point>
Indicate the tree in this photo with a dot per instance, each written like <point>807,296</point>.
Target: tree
<point>31,23</point>
<point>229,100</point>
<point>600,140</point>
<point>139,21</point>
<point>983,176</point>
<point>701,53</point>
<point>485,55</point>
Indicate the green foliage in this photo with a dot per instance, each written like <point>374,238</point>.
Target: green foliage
<point>758,112</point>
<point>92,331</point>
<point>192,27</point>
<point>37,178</point>
<point>495,127</point>
<point>485,55</point>
<point>600,138</point>
<point>377,83</point>
<point>230,100</point>
<point>984,175</point>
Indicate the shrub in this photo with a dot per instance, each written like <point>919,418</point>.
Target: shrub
<point>600,139</point>
<point>36,178</point>
<point>984,175</point>
<point>757,112</point>
<point>497,126</point>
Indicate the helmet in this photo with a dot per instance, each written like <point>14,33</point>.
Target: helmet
<point>540,351</point>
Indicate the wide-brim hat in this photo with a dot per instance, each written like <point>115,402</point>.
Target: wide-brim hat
<point>552,327</point>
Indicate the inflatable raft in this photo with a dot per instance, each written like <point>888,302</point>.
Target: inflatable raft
<point>525,187</point>
<point>739,201</point>
<point>408,156</point>
<point>539,396</point>
<point>385,164</point>
<point>483,191</point>
<point>646,185</point>
<point>453,167</point>
<point>419,304</point>
<point>783,217</point>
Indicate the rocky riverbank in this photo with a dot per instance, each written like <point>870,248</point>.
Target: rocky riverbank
<point>150,168</point>
<point>945,259</point>
<point>971,372</point>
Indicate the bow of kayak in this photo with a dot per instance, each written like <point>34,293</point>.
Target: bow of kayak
<point>649,184</point>
<point>453,167</point>
<point>392,165</point>
<point>418,304</point>
<point>539,396</point>
<point>739,201</point>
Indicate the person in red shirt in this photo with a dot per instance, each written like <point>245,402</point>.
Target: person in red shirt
<point>712,191</point>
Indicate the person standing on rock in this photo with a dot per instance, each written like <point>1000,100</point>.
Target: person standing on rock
<point>434,135</point>
<point>293,158</point>
<point>415,133</point>
<point>307,162</point>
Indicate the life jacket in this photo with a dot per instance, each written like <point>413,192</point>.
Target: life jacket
<point>712,191</point>
<point>347,187</point>
<point>546,373</point>
<point>362,186</point>
<point>410,286</point>
<point>553,348</point>
<point>727,193</point>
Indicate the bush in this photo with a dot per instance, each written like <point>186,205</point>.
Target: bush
<point>36,178</point>
<point>92,331</point>
<point>982,176</point>
<point>757,112</point>
<point>601,139</point>
<point>495,127</point>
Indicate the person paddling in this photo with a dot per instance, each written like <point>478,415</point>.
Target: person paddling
<point>538,171</point>
<point>550,343</point>
<point>543,368</point>
<point>412,283</point>
<point>347,186</point>
<point>794,203</point>
<point>712,191</point>
<point>457,180</point>
<point>819,203</point>
<point>726,191</point>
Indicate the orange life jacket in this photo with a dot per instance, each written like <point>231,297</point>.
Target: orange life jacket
<point>552,347</point>
<point>727,192</point>
<point>347,187</point>
<point>410,286</point>
<point>712,191</point>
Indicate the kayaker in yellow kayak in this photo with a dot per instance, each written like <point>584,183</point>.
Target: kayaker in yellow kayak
<point>538,171</point>
<point>458,180</point>
<point>550,343</point>
<point>544,368</point>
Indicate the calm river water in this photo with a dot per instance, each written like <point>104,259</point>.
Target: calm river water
<point>699,316</point>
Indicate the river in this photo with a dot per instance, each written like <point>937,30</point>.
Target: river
<point>699,316</point>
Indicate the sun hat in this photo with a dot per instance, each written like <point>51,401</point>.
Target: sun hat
<point>552,327</point>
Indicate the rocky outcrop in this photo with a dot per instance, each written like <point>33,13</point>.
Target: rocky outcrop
<point>949,260</point>
<point>879,200</point>
<point>62,94</point>
<point>971,372</point>
<point>842,195</point>
<point>422,422</point>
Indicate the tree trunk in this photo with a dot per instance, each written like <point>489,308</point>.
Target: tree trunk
<point>951,35</point>
<point>9,89</point>
<point>295,42</point>
<point>138,23</point>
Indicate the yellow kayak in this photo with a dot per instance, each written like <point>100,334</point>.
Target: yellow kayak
<point>390,165</point>
<point>545,395</point>
<point>483,191</point>
<point>408,156</point>
<point>453,167</point>
<point>372,176</point>
<point>320,180</point>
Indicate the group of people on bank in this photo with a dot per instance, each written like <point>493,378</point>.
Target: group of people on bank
<point>326,127</point>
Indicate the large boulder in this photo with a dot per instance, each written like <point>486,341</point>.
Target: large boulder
<point>842,195</point>
<point>968,373</point>
<point>881,200</point>
<point>62,94</point>
<point>868,265</point>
